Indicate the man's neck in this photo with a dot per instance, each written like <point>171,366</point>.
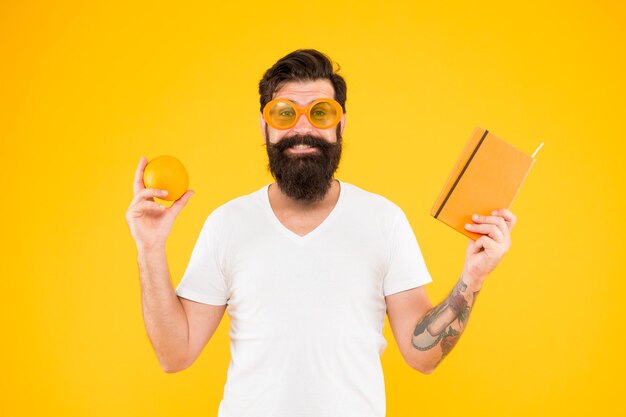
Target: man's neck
<point>282,201</point>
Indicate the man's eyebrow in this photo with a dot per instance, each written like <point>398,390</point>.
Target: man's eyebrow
<point>299,103</point>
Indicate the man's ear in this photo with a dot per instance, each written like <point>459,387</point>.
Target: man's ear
<point>262,125</point>
<point>343,123</point>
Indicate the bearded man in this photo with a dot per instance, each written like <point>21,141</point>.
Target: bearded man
<point>306,267</point>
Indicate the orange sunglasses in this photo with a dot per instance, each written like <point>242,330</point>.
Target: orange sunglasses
<point>322,113</point>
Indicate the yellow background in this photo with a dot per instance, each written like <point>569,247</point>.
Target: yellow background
<point>86,89</point>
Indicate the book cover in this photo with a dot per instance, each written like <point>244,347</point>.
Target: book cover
<point>486,177</point>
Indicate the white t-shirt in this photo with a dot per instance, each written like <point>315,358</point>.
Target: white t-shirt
<point>306,313</point>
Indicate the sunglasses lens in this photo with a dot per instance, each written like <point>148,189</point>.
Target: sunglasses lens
<point>282,115</point>
<point>323,114</point>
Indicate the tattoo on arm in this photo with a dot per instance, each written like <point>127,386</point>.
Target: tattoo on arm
<point>443,325</point>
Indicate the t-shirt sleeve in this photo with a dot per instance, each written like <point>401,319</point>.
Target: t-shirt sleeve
<point>203,280</point>
<point>407,268</point>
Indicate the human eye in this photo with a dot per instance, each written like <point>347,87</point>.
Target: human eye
<point>322,111</point>
<point>287,113</point>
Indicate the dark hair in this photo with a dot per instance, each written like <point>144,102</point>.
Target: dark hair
<point>302,65</point>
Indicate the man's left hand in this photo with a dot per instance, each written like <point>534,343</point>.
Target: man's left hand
<point>485,253</point>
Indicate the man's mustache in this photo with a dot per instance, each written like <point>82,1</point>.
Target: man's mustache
<point>288,142</point>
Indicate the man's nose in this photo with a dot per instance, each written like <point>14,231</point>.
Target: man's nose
<point>302,126</point>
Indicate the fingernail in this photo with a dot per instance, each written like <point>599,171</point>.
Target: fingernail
<point>163,192</point>
<point>468,226</point>
<point>493,213</point>
<point>475,217</point>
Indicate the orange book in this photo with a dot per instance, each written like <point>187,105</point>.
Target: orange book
<point>486,177</point>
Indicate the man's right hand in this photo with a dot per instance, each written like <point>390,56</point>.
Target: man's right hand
<point>151,223</point>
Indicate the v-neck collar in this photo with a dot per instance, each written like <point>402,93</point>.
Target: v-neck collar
<point>301,240</point>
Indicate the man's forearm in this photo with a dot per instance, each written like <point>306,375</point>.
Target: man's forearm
<point>439,330</point>
<point>163,313</point>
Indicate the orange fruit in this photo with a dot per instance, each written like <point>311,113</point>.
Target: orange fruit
<point>166,173</point>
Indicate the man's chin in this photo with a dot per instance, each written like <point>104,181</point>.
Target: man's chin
<point>305,192</point>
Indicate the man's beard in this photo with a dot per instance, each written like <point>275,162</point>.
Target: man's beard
<point>304,177</point>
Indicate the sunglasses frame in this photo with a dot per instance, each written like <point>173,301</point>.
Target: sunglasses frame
<point>302,110</point>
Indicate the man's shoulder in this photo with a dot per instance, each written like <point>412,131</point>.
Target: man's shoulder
<point>237,207</point>
<point>370,200</point>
